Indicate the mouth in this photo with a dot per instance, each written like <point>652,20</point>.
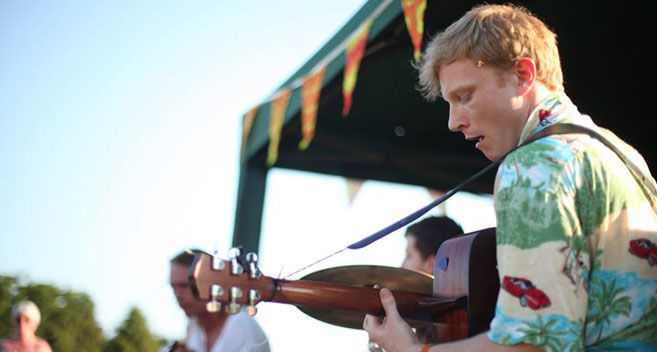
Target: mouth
<point>477,139</point>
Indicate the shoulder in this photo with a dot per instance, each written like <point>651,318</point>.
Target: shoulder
<point>243,321</point>
<point>245,334</point>
<point>43,346</point>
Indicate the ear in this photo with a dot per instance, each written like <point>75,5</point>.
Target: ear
<point>429,263</point>
<point>525,71</point>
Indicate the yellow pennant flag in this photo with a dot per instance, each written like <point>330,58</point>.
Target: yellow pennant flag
<point>247,124</point>
<point>278,106</point>
<point>312,85</point>
<point>414,17</point>
<point>354,53</point>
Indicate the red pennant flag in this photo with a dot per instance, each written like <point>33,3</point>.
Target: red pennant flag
<point>278,106</point>
<point>247,124</point>
<point>312,85</point>
<point>414,17</point>
<point>354,53</point>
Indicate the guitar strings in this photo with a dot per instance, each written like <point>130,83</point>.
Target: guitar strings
<point>314,263</point>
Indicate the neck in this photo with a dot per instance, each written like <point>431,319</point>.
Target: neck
<point>212,322</point>
<point>534,97</point>
<point>26,338</point>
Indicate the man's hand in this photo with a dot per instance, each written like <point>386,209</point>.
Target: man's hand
<point>393,334</point>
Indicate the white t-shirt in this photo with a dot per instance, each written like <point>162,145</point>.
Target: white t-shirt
<point>241,333</point>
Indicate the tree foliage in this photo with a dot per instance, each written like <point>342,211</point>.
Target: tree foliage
<point>67,317</point>
<point>133,335</point>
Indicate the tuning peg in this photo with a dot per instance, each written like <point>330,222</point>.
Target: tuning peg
<point>254,297</point>
<point>217,262</point>
<point>234,307</point>
<point>214,305</point>
<point>252,260</point>
<point>235,266</point>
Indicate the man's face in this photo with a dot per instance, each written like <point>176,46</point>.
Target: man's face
<point>183,291</point>
<point>485,104</point>
<point>414,259</point>
<point>25,325</point>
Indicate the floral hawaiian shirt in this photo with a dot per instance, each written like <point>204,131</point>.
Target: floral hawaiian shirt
<point>576,242</point>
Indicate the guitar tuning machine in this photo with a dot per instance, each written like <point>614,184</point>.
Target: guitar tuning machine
<point>234,307</point>
<point>254,297</point>
<point>235,266</point>
<point>214,305</point>
<point>252,260</point>
<point>217,263</point>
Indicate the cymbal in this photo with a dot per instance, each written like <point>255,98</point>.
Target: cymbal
<point>366,276</point>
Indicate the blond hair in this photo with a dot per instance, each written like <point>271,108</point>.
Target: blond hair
<point>496,35</point>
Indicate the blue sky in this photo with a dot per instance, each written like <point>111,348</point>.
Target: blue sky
<point>119,138</point>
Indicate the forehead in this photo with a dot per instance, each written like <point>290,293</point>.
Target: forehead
<point>461,74</point>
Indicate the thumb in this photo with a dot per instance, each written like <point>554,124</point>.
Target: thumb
<point>389,304</point>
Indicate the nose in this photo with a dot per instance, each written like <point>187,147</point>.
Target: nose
<point>457,120</point>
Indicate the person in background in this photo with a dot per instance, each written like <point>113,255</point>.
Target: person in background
<point>26,318</point>
<point>212,332</point>
<point>423,240</point>
<point>576,224</point>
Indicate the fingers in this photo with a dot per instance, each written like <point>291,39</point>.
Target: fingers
<point>389,304</point>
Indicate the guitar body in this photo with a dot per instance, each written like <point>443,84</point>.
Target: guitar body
<point>466,266</point>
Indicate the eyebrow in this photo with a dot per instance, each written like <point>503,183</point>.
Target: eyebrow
<point>458,91</point>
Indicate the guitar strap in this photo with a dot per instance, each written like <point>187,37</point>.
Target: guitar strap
<point>562,128</point>
<point>646,183</point>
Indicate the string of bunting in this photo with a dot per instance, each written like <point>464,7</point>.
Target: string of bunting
<point>354,47</point>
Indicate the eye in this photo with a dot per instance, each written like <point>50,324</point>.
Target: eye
<point>464,98</point>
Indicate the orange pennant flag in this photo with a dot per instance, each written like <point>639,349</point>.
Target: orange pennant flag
<point>312,85</point>
<point>278,106</point>
<point>414,17</point>
<point>355,50</point>
<point>247,124</point>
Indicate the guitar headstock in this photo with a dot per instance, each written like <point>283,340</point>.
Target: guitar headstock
<point>233,283</point>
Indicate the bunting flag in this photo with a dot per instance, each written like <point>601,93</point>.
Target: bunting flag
<point>435,194</point>
<point>355,50</point>
<point>312,85</point>
<point>278,106</point>
<point>353,186</point>
<point>414,17</point>
<point>247,124</point>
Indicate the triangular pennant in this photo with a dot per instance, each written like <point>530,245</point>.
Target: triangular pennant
<point>354,53</point>
<point>435,194</point>
<point>353,186</point>
<point>278,106</point>
<point>310,91</point>
<point>247,124</point>
<point>414,17</point>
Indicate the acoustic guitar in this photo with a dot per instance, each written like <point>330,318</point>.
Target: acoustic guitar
<point>465,288</point>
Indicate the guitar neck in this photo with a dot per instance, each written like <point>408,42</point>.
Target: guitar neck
<point>357,299</point>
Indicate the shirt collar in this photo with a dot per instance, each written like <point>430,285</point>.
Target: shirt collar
<point>555,108</point>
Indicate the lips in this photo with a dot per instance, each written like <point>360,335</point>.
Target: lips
<point>477,139</point>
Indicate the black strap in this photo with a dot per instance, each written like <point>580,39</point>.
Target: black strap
<point>561,128</point>
<point>646,183</point>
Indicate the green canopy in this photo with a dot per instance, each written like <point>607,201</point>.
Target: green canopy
<point>392,134</point>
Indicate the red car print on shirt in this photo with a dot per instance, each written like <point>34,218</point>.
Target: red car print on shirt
<point>644,248</point>
<point>543,115</point>
<point>528,294</point>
